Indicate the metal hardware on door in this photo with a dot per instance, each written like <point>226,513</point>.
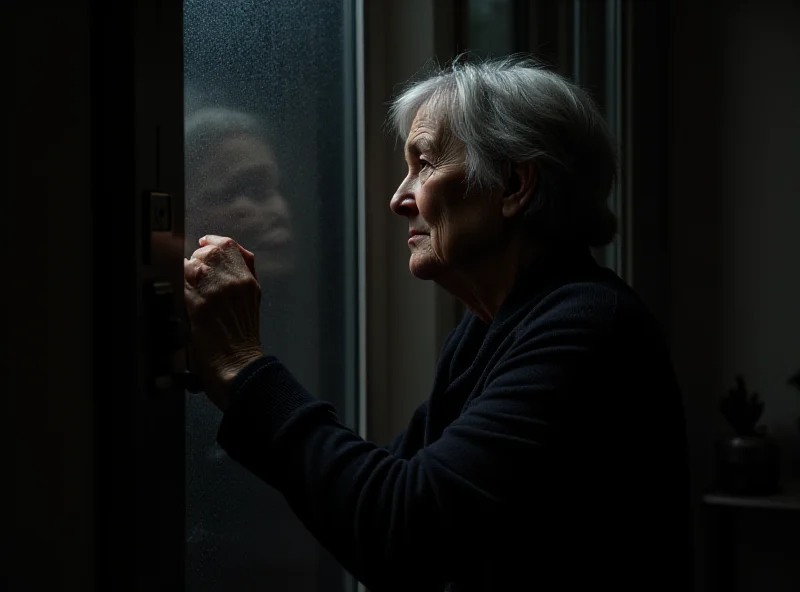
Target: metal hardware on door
<point>156,217</point>
<point>160,212</point>
<point>168,332</point>
<point>165,336</point>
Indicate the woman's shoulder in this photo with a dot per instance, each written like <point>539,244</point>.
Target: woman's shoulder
<point>596,300</point>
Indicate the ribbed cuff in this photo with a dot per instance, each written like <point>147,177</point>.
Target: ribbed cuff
<point>264,397</point>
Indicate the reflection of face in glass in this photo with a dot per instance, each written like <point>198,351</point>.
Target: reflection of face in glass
<point>232,188</point>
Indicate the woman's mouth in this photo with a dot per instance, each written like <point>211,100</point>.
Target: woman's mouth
<point>414,236</point>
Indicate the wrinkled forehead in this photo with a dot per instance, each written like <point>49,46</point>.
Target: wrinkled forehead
<point>429,131</point>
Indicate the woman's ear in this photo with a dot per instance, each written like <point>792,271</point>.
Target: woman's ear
<point>520,184</point>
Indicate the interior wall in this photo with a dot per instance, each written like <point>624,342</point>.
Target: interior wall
<point>407,319</point>
<point>735,208</point>
<point>48,284</point>
<point>760,141</point>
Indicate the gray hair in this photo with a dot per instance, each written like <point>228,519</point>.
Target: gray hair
<point>514,110</point>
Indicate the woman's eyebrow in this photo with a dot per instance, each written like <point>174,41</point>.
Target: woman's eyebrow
<point>420,145</point>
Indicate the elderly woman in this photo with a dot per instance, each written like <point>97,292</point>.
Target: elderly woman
<point>550,454</point>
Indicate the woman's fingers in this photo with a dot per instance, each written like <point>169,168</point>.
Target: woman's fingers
<point>206,252</point>
<point>211,242</point>
<point>249,259</point>
<point>194,270</point>
<point>222,301</point>
<point>223,242</point>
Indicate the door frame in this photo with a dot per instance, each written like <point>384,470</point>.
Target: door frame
<point>137,134</point>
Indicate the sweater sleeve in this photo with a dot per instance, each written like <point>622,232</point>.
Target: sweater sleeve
<point>411,439</point>
<point>401,524</point>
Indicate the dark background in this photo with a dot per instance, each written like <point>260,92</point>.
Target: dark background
<point>722,274</point>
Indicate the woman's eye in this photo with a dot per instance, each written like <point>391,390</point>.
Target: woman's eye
<point>423,164</point>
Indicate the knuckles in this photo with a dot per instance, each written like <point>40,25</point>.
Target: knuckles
<point>228,243</point>
<point>214,253</point>
<point>228,283</point>
<point>214,277</point>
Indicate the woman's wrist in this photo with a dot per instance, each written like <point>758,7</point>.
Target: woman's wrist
<point>225,371</point>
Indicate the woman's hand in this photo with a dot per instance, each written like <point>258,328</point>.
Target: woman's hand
<point>222,300</point>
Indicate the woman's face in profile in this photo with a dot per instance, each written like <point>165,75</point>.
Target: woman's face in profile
<point>235,193</point>
<point>450,226</point>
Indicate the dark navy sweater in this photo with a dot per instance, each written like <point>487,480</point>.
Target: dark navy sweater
<point>550,455</point>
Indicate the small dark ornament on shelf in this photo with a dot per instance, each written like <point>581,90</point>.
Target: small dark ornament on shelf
<point>748,462</point>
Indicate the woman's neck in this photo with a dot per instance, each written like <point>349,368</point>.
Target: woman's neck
<point>486,282</point>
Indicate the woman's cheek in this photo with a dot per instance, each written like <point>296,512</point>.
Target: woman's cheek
<point>439,245</point>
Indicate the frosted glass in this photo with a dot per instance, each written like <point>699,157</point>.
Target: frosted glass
<point>269,161</point>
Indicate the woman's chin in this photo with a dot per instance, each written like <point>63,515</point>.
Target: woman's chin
<point>423,267</point>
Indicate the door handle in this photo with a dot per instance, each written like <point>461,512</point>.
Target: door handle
<point>168,333</point>
<point>166,336</point>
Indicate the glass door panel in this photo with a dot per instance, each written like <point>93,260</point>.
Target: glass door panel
<point>270,161</point>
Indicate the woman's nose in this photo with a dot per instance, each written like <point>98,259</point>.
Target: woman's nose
<point>403,203</point>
